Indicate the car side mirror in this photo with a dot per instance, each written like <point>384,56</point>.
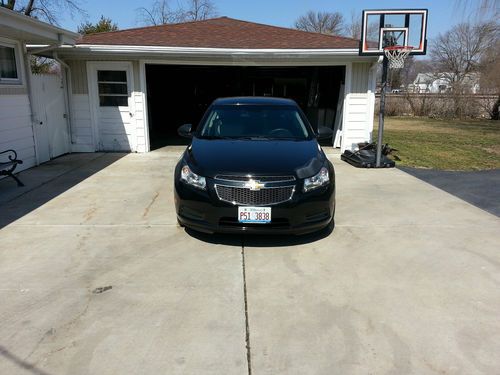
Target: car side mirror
<point>185,131</point>
<point>324,133</point>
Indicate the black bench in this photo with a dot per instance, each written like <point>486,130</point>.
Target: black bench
<point>7,167</point>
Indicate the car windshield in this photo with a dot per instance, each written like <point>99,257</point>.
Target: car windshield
<point>252,121</point>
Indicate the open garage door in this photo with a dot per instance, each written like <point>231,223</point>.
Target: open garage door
<point>178,95</point>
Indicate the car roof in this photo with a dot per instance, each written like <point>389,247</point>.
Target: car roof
<point>254,100</point>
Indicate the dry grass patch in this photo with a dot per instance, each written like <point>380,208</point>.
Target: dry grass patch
<point>444,144</point>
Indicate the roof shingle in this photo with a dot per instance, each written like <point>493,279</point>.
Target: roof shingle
<point>222,32</point>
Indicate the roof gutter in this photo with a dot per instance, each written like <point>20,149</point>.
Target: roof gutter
<point>160,50</point>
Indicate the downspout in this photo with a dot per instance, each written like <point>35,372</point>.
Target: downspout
<point>67,90</point>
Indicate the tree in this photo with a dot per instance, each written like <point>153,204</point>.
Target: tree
<point>457,56</point>
<point>42,65</point>
<point>103,25</point>
<point>353,29</point>
<point>490,79</point>
<point>199,10</point>
<point>47,10</point>
<point>458,52</point>
<point>481,10</point>
<point>161,13</point>
<point>321,22</point>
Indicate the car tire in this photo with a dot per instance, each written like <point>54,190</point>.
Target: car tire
<point>179,224</point>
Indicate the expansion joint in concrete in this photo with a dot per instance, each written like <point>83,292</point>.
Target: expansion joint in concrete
<point>247,326</point>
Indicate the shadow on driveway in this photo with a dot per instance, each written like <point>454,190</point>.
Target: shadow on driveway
<point>480,188</point>
<point>48,180</point>
<point>20,362</point>
<point>251,240</point>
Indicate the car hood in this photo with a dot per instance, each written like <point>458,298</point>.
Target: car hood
<point>261,157</point>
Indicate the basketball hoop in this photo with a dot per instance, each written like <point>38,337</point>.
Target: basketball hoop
<point>397,55</point>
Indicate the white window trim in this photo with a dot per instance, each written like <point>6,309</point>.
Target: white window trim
<point>19,81</point>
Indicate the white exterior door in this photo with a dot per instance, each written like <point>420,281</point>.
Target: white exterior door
<point>112,109</point>
<point>50,123</point>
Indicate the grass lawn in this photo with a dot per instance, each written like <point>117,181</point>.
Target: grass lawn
<point>443,144</point>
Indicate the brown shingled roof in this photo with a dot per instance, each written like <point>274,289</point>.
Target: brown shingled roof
<point>221,32</point>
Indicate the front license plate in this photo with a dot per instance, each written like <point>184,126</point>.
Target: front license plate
<point>259,215</point>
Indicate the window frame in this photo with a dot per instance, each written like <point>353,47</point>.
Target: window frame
<point>99,94</point>
<point>18,56</point>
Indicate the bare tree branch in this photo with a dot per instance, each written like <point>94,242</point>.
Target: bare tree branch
<point>481,10</point>
<point>458,52</point>
<point>321,22</point>
<point>47,10</point>
<point>457,56</point>
<point>198,10</point>
<point>161,13</point>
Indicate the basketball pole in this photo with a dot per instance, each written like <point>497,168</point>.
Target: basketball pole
<point>381,113</point>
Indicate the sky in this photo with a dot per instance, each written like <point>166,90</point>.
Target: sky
<point>442,13</point>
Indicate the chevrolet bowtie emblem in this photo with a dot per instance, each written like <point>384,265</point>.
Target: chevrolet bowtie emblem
<point>254,185</point>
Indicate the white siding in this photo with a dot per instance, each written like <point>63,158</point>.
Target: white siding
<point>360,77</point>
<point>140,121</point>
<point>81,124</point>
<point>358,119</point>
<point>359,107</point>
<point>16,130</point>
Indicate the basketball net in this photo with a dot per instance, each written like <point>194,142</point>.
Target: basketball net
<point>397,55</point>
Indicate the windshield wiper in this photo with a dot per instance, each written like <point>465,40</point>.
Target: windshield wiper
<point>251,138</point>
<point>217,137</point>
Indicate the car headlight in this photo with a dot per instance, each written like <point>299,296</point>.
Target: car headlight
<point>191,178</point>
<point>316,181</point>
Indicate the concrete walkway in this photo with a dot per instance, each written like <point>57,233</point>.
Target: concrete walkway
<point>96,278</point>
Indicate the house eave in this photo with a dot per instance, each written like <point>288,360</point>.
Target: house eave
<point>161,51</point>
<point>31,30</point>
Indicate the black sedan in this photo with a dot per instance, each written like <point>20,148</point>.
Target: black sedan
<point>254,165</point>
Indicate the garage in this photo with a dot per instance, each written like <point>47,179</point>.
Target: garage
<point>179,94</point>
<point>131,89</point>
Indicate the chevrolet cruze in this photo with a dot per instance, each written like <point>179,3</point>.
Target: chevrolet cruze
<point>254,165</point>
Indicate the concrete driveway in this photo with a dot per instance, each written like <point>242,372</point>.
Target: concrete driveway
<point>96,278</point>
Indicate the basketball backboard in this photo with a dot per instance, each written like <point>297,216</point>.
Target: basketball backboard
<point>393,27</point>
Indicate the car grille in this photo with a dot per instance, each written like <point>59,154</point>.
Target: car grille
<point>247,197</point>
<point>258,178</point>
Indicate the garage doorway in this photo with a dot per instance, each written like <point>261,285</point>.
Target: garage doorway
<point>179,94</point>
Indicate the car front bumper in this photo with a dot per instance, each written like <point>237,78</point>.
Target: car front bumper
<point>202,210</point>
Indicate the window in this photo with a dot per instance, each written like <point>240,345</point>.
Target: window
<point>113,91</point>
<point>9,64</point>
<point>252,121</point>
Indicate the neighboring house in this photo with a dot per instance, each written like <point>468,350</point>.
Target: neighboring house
<point>442,83</point>
<point>19,129</point>
<point>129,90</point>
